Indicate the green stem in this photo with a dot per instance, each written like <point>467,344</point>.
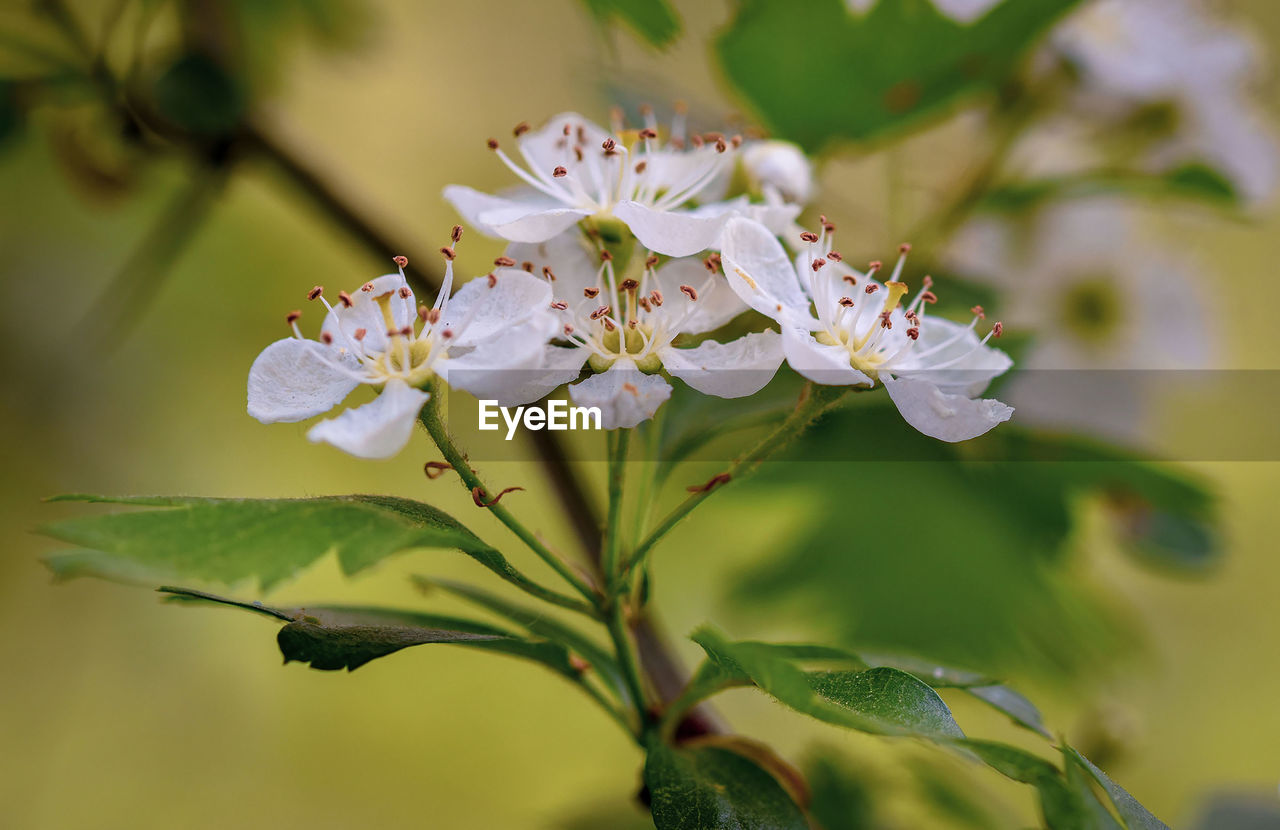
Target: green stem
<point>619,443</point>
<point>814,400</point>
<point>627,661</point>
<point>430,418</point>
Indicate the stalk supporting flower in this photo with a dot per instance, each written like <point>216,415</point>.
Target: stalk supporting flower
<point>430,418</point>
<point>840,326</point>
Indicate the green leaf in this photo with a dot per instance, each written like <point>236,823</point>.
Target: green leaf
<point>1136,817</point>
<point>824,73</point>
<point>228,540</point>
<point>882,700</point>
<point>1197,182</point>
<point>714,788</point>
<point>654,20</point>
<point>1063,808</point>
<point>536,622</point>
<point>197,94</point>
<point>332,637</point>
<point>1020,710</point>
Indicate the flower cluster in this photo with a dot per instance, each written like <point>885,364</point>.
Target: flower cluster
<point>628,253</point>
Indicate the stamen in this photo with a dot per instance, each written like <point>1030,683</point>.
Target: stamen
<point>997,329</point>
<point>835,256</point>
<point>367,287</point>
<point>977,311</point>
<point>345,299</point>
<point>655,297</point>
<point>689,291</point>
<point>591,293</point>
<point>449,253</point>
<point>817,264</point>
<point>504,262</point>
<point>456,234</point>
<point>520,129</point>
<point>712,263</point>
<point>847,302</point>
<point>651,260</point>
<point>293,316</point>
<point>809,236</point>
<point>401,261</point>
<point>315,292</point>
<point>913,332</point>
<point>527,266</point>
<point>600,312</point>
<point>359,334</point>
<point>559,305</point>
<point>493,279</point>
<point>404,292</point>
<point>492,143</point>
<point>548,273</point>
<point>326,338</point>
<point>559,172</point>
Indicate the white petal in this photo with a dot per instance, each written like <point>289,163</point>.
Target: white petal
<point>828,365</point>
<point>479,312</point>
<point>716,303</point>
<point>760,272</point>
<point>546,149</point>
<point>964,11</point>
<point>378,429</point>
<point>567,256</point>
<point>293,380</point>
<point>781,165</point>
<point>470,203</point>
<point>969,366</point>
<point>531,224</point>
<point>624,395</point>
<point>727,370</point>
<point>366,313</point>
<point>516,368</point>
<point>944,416</point>
<point>671,232</point>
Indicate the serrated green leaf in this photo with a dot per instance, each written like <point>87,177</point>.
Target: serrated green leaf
<point>654,20</point>
<point>827,73</point>
<point>882,701</point>
<point>229,540</point>
<point>713,788</point>
<point>332,637</point>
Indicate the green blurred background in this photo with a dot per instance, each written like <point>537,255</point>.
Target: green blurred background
<point>116,711</point>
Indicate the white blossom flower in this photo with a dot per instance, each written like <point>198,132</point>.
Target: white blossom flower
<point>625,331</point>
<point>779,170</point>
<point>577,171</point>
<point>1104,306</point>
<point>841,327</point>
<point>1148,53</point>
<point>378,336</point>
<point>962,11</point>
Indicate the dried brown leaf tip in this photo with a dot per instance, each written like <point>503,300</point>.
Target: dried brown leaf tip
<point>712,483</point>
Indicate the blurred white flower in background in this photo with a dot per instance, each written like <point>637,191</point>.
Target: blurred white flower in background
<point>1078,276</point>
<point>1186,75</point>
<point>962,11</point>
